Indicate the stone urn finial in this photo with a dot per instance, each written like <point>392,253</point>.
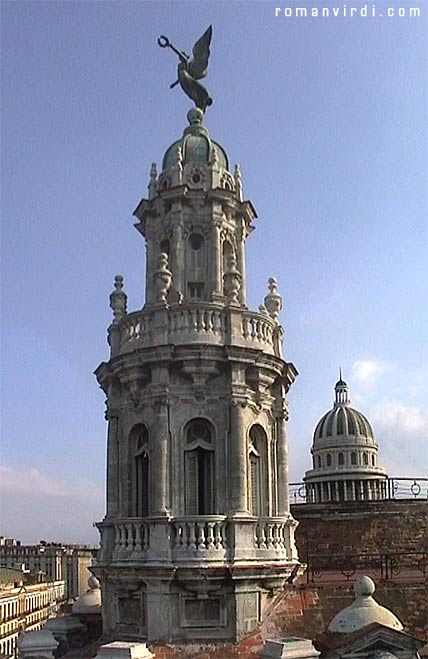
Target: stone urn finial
<point>118,300</point>
<point>162,279</point>
<point>153,181</point>
<point>273,300</point>
<point>232,281</point>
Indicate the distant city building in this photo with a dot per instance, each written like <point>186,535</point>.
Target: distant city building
<point>26,603</point>
<point>58,562</point>
<point>345,456</point>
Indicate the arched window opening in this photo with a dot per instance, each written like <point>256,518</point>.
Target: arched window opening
<point>140,476</point>
<point>328,460</point>
<point>258,475</point>
<point>319,462</point>
<point>196,266</point>
<point>353,458</point>
<point>199,468</point>
<point>373,460</point>
<point>365,459</point>
<point>340,460</point>
<point>196,244</point>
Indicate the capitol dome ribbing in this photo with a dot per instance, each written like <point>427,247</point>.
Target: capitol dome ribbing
<point>345,455</point>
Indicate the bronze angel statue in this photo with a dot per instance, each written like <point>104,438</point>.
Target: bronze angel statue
<point>192,70</point>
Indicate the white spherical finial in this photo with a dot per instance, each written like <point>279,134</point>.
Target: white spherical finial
<point>364,587</point>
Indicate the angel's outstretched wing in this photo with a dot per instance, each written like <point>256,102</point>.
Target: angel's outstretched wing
<point>197,67</point>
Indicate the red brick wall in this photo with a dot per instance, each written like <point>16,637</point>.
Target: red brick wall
<point>362,527</point>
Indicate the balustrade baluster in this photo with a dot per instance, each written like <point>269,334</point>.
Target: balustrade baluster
<point>210,321</point>
<point>129,530</point>
<point>269,541</point>
<point>138,546</point>
<point>210,535</point>
<point>218,535</point>
<point>179,539</point>
<point>201,536</point>
<point>216,321</point>
<point>192,535</point>
<point>117,540</point>
<point>122,539</point>
<point>262,536</point>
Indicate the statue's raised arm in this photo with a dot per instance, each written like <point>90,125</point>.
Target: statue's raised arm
<point>192,70</point>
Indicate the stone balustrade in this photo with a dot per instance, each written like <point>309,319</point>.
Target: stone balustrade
<point>257,328</point>
<point>202,322</point>
<point>201,536</point>
<point>190,538</point>
<point>271,533</point>
<point>131,538</point>
<point>197,319</point>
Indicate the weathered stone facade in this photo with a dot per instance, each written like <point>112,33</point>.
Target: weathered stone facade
<point>198,531</point>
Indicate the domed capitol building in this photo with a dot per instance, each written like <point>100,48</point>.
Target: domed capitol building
<point>345,456</point>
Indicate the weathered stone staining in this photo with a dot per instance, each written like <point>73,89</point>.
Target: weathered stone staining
<point>198,532</point>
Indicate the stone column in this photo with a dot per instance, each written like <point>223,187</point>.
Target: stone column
<point>177,260</point>
<point>354,494</point>
<point>112,464</point>
<point>238,459</point>
<point>283,489</point>
<point>241,260</point>
<point>151,263</point>
<point>159,461</point>
<point>216,278</point>
<point>329,491</point>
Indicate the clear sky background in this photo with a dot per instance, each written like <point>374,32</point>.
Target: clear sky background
<point>329,121</point>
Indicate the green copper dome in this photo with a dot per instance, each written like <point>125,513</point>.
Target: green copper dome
<point>196,145</point>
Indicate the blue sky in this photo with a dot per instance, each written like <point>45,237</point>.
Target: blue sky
<point>328,119</point>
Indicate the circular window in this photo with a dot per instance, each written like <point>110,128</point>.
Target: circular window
<point>196,242</point>
<point>196,178</point>
<point>199,430</point>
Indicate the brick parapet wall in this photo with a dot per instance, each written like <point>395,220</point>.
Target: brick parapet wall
<point>362,527</point>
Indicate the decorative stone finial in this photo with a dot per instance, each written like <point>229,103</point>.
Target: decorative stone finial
<point>162,279</point>
<point>177,175</point>
<point>238,183</point>
<point>153,181</point>
<point>363,611</point>
<point>232,281</point>
<point>364,587</point>
<point>263,310</point>
<point>118,300</point>
<point>195,117</point>
<point>273,299</point>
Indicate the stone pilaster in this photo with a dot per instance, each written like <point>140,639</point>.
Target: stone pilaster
<point>282,455</point>
<point>159,460</point>
<point>238,459</point>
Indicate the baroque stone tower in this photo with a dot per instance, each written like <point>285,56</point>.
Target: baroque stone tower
<point>198,533</point>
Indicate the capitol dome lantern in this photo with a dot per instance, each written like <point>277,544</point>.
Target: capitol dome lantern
<point>345,455</point>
